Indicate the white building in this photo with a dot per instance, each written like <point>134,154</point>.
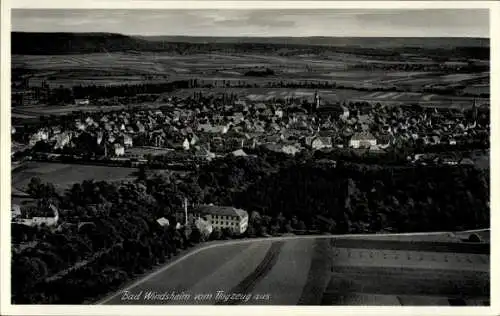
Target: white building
<point>321,142</point>
<point>194,140</point>
<point>15,211</point>
<point>41,135</point>
<point>215,129</point>
<point>290,149</point>
<point>127,141</point>
<point>89,120</point>
<point>362,140</point>
<point>119,150</point>
<point>279,113</point>
<point>36,220</point>
<point>223,217</point>
<point>163,222</point>
<point>345,113</point>
<point>185,144</point>
<point>62,140</point>
<point>82,101</point>
<point>239,153</point>
<point>80,126</point>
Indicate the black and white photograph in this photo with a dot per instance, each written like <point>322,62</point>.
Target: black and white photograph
<point>289,157</point>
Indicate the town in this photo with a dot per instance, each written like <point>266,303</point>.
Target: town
<point>198,129</point>
<point>128,158</point>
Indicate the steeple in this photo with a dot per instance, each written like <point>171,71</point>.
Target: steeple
<point>317,100</point>
<point>474,110</point>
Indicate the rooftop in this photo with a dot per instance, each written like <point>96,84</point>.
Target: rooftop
<point>363,136</point>
<point>221,210</point>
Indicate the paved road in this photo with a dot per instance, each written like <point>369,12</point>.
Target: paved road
<point>319,271</point>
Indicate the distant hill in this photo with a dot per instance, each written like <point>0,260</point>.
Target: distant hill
<point>70,43</point>
<point>79,43</point>
<point>366,42</point>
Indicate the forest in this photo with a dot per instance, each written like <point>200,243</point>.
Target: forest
<point>109,234</point>
<point>30,43</point>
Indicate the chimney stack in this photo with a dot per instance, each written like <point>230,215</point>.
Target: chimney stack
<point>185,210</point>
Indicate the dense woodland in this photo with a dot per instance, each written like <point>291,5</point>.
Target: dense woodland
<point>81,43</point>
<point>110,234</point>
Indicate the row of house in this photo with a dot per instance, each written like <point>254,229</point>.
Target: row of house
<point>241,125</point>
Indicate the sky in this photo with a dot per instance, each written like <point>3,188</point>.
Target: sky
<point>287,22</point>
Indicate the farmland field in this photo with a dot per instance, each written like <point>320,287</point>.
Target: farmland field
<point>131,67</point>
<point>127,68</point>
<point>327,272</point>
<point>65,175</point>
<point>333,95</point>
<point>33,111</point>
<point>221,69</point>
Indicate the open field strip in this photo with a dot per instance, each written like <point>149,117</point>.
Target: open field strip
<point>457,77</point>
<point>402,300</point>
<point>223,278</point>
<point>294,261</point>
<point>411,259</point>
<point>290,267</point>
<point>388,95</point>
<point>65,175</point>
<point>407,281</point>
<point>373,94</point>
<point>428,97</point>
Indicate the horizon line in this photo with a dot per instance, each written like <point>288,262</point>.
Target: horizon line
<point>246,36</point>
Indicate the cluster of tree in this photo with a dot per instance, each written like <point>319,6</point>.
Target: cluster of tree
<point>260,73</point>
<point>440,90</point>
<point>126,93</point>
<point>387,193</point>
<point>105,227</point>
<point>78,43</point>
<point>99,92</point>
<point>354,198</point>
<point>455,90</point>
<point>109,234</point>
<point>440,67</point>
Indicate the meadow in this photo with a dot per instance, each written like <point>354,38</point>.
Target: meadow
<point>64,176</point>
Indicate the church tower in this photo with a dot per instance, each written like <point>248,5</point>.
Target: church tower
<point>474,111</point>
<point>317,100</point>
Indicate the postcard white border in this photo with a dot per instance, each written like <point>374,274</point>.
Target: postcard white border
<point>8,309</point>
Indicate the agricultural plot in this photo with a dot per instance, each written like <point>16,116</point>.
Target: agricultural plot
<point>123,68</point>
<point>65,175</point>
<point>143,151</point>
<point>457,77</point>
<point>312,272</point>
<point>336,95</point>
<point>30,112</point>
<point>478,89</point>
<point>378,273</point>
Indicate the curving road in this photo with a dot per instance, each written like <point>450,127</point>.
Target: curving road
<point>322,270</point>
